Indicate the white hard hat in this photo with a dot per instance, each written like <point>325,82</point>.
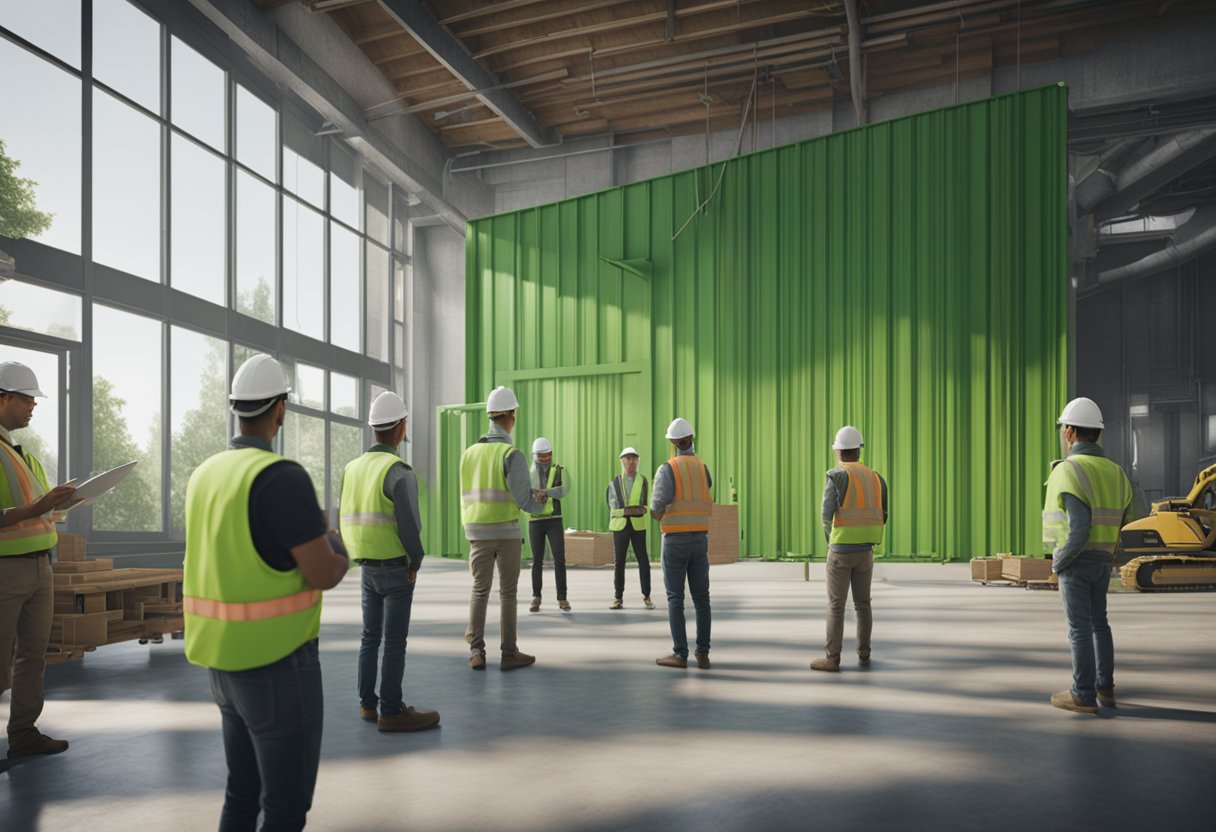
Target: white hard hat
<point>848,438</point>
<point>258,379</point>
<point>542,446</point>
<point>629,452</point>
<point>386,411</point>
<point>501,399</point>
<point>1081,413</point>
<point>15,377</point>
<point>679,429</point>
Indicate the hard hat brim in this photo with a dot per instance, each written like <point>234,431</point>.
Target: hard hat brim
<point>32,392</point>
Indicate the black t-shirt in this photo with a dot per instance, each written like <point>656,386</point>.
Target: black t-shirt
<point>283,512</point>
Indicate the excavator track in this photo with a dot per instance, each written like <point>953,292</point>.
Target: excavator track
<point>1170,573</point>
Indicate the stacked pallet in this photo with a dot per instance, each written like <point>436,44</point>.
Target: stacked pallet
<point>96,604</point>
<point>1032,573</point>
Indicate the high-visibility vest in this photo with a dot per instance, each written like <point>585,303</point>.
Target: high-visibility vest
<point>637,498</point>
<point>689,511</point>
<point>485,497</point>
<point>23,483</point>
<point>240,612</point>
<point>368,518</point>
<point>1101,485</point>
<point>859,519</point>
<point>552,507</point>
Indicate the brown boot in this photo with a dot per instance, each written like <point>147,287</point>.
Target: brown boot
<point>826,663</point>
<point>477,662</point>
<point>1106,697</point>
<point>367,714</point>
<point>674,660</point>
<point>564,605</point>
<point>1068,701</point>
<point>702,659</point>
<point>646,600</point>
<point>535,605</point>
<point>864,661</point>
<point>617,604</point>
<point>41,744</point>
<point>410,719</point>
<point>516,660</point>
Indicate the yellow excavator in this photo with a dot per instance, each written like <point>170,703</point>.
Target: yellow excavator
<point>1174,548</point>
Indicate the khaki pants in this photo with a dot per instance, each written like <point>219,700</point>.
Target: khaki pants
<point>845,570</point>
<point>483,555</point>
<point>27,594</point>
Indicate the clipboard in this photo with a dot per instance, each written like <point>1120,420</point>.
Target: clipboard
<point>94,487</point>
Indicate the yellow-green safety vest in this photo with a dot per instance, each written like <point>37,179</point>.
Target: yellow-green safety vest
<point>1101,485</point>
<point>368,520</point>
<point>23,483</point>
<point>484,495</point>
<point>240,612</point>
<point>637,497</point>
<point>859,520</point>
<point>550,504</point>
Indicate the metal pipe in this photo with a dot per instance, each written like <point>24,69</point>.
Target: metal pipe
<point>1192,239</point>
<point>605,149</point>
<point>855,69</point>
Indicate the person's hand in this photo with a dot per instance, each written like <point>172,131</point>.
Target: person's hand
<point>413,576</point>
<point>51,499</point>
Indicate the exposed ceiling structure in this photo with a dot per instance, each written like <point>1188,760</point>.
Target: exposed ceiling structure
<point>514,73</point>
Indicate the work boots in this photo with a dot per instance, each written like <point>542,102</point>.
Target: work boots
<point>516,660</point>
<point>1067,700</point>
<point>535,605</point>
<point>827,664</point>
<point>646,600</point>
<point>674,660</point>
<point>40,744</point>
<point>616,604</point>
<point>368,714</point>
<point>702,659</point>
<point>1106,697</point>
<point>408,720</point>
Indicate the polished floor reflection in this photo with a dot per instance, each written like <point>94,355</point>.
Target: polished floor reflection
<point>950,728</point>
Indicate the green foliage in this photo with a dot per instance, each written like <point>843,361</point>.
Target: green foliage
<point>204,432</point>
<point>257,304</point>
<point>33,442</point>
<point>19,214</point>
<point>135,505</point>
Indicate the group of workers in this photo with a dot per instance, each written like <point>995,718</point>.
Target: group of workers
<point>259,554</point>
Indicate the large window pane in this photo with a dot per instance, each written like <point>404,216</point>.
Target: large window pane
<point>54,27</point>
<point>345,443</point>
<point>126,188</point>
<point>35,309</point>
<point>344,293</point>
<point>40,130</point>
<point>375,213</point>
<point>197,95</point>
<point>255,133</point>
<point>198,410</point>
<point>399,291</point>
<point>127,355</point>
<point>198,221</point>
<point>307,385</point>
<point>304,442</point>
<point>401,226</point>
<point>303,162</point>
<point>41,437</point>
<point>343,185</point>
<point>377,302</point>
<point>255,248</point>
<point>303,269</point>
<point>126,51</point>
<point>344,395</point>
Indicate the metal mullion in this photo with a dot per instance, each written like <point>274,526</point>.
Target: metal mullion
<point>83,459</point>
<point>17,40</point>
<point>230,195</point>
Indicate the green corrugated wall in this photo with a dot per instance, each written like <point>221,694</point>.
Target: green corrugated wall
<point>908,277</point>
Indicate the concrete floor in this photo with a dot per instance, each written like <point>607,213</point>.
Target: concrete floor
<point>950,729</point>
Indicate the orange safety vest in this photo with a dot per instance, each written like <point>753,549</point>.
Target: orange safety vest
<point>23,487</point>
<point>689,511</point>
<point>859,519</point>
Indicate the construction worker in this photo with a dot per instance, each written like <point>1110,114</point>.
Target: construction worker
<point>854,515</point>
<point>381,530</point>
<point>1089,498</point>
<point>257,559</point>
<point>627,495</point>
<point>681,503</point>
<point>27,535</point>
<point>494,488</point>
<point>549,487</point>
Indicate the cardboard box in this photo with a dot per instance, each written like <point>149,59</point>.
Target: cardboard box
<point>70,547</point>
<point>723,533</point>
<point>83,630</point>
<point>588,548</point>
<point>986,569</point>
<point>1025,569</point>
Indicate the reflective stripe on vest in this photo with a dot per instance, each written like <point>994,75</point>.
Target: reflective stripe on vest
<point>23,484</point>
<point>485,498</point>
<point>1102,486</point>
<point>551,504</point>
<point>637,498</point>
<point>367,520</point>
<point>859,519</point>
<point>689,511</point>
<point>240,612</point>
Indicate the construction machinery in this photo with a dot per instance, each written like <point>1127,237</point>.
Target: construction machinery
<point>1174,548</point>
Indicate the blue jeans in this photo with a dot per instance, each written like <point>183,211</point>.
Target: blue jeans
<point>388,597</point>
<point>686,554</point>
<point>1083,586</point>
<point>272,719</point>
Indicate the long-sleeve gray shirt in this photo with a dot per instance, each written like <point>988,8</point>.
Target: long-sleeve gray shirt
<point>834,489</point>
<point>401,487</point>
<point>664,492</point>
<point>515,469</point>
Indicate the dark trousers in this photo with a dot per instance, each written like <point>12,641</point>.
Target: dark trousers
<point>388,597</point>
<point>686,556</point>
<point>272,719</point>
<point>620,548</point>
<point>1083,587</point>
<point>538,532</point>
